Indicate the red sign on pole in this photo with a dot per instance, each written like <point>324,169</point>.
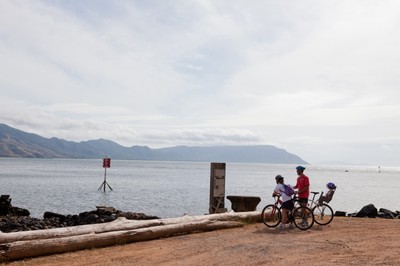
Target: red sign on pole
<point>106,162</point>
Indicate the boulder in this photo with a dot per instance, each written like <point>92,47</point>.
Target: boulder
<point>49,215</point>
<point>340,213</point>
<point>368,211</point>
<point>19,211</point>
<point>5,204</point>
<point>7,209</point>
<point>385,213</point>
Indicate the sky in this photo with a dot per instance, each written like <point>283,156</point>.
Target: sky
<point>319,79</point>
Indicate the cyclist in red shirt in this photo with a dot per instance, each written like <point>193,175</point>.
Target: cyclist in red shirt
<point>302,186</point>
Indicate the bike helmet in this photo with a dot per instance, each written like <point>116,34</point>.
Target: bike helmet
<point>278,177</point>
<point>301,168</point>
<point>330,185</point>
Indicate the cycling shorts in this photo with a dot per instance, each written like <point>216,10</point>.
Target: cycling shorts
<point>288,205</point>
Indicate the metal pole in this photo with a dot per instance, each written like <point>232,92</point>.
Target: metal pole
<point>105,174</point>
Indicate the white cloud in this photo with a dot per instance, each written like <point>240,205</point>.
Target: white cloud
<point>305,76</point>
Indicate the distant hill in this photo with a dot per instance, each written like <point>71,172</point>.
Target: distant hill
<point>19,144</point>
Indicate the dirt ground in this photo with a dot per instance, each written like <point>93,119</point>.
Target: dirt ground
<point>346,241</point>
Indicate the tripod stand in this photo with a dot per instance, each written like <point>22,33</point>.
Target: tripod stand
<point>104,184</point>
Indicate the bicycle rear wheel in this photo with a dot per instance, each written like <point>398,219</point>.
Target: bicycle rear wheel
<point>271,215</point>
<point>323,214</point>
<point>303,218</point>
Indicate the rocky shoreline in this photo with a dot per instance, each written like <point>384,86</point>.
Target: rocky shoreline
<point>14,219</point>
<point>371,211</point>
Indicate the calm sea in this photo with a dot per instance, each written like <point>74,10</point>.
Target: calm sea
<point>172,189</point>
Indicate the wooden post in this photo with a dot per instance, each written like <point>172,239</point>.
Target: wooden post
<point>217,188</point>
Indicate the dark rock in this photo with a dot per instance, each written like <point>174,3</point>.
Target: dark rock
<point>19,211</point>
<point>340,213</point>
<point>368,211</point>
<point>19,223</point>
<point>72,220</point>
<point>5,204</point>
<point>385,215</point>
<point>103,210</point>
<point>88,218</point>
<point>136,216</point>
<point>6,208</point>
<point>388,214</point>
<point>49,215</point>
<point>106,218</point>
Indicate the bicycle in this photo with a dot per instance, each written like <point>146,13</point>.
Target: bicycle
<point>302,217</point>
<point>323,213</point>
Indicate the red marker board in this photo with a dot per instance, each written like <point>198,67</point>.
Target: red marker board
<point>106,162</point>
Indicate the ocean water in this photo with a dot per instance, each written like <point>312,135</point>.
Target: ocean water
<point>173,189</point>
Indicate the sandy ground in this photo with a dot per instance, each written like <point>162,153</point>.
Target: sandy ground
<point>346,241</point>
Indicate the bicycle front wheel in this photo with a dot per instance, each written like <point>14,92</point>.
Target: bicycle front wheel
<point>303,218</point>
<point>323,214</point>
<point>271,215</point>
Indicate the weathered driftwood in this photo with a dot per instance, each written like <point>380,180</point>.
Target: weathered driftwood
<point>32,245</point>
<point>122,224</point>
<point>117,225</point>
<point>33,248</point>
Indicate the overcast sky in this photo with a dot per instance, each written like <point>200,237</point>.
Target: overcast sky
<point>320,79</point>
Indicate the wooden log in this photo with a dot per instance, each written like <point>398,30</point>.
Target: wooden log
<point>122,224</point>
<point>119,224</point>
<point>33,248</point>
<point>247,217</point>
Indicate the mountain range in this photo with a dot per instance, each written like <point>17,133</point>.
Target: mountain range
<point>19,144</point>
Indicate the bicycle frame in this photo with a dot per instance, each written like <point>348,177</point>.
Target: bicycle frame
<point>322,212</point>
<point>311,202</point>
<point>271,215</point>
